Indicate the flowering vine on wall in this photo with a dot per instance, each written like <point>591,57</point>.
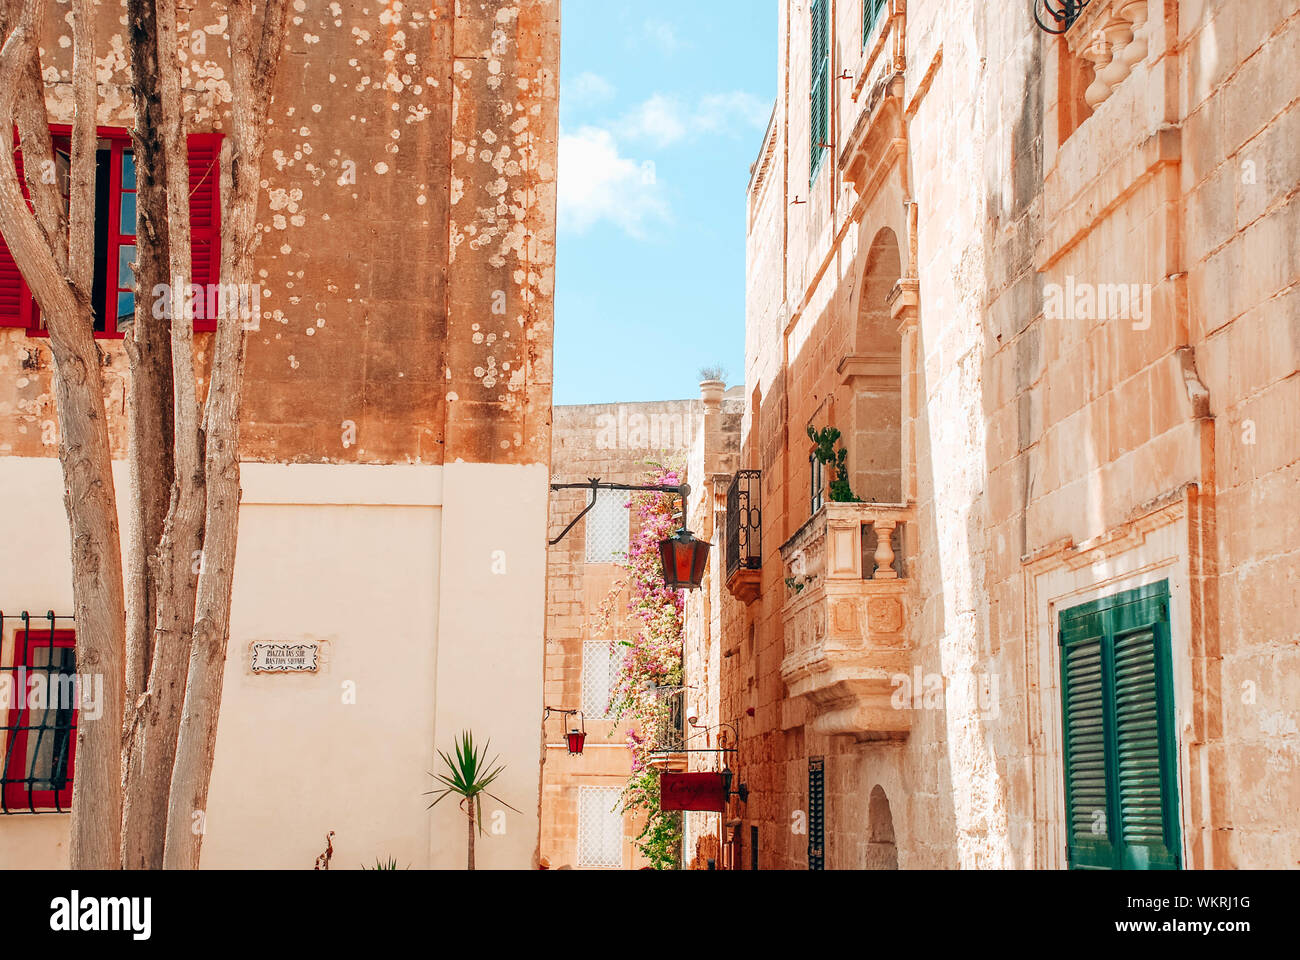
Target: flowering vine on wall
<point>652,661</point>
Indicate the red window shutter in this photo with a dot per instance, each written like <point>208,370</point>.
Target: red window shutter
<point>205,214</point>
<point>14,296</point>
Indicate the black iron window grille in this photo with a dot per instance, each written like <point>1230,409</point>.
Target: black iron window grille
<point>744,522</point>
<point>670,725</point>
<point>38,714</point>
<point>817,813</point>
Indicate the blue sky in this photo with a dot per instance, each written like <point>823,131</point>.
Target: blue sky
<point>662,109</point>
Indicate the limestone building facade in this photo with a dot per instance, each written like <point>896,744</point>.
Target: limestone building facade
<point>396,428</point>
<point>1044,286</point>
<point>583,825</point>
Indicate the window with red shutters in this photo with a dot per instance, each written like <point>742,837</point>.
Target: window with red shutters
<point>38,739</point>
<point>14,298</point>
<point>115,224</point>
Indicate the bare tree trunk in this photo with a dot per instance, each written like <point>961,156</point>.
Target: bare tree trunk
<point>154,722</point>
<point>84,453</point>
<point>253,78</point>
<point>147,774</point>
<point>469,810</point>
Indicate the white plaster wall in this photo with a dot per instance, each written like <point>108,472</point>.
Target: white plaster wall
<point>491,625</point>
<point>347,748</point>
<point>378,562</point>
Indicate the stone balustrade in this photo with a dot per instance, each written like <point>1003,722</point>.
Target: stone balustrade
<point>1113,37</point>
<point>845,620</point>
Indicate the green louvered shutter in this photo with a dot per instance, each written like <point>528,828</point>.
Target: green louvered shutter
<point>820,84</point>
<point>1147,788</point>
<point>1086,793</point>
<point>871,11</point>
<point>1115,664</point>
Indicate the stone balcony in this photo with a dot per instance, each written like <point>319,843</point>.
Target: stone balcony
<point>845,619</point>
<point>1112,36</point>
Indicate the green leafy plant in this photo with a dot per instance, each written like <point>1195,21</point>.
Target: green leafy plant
<point>389,864</point>
<point>468,776</point>
<point>660,839</point>
<point>826,454</point>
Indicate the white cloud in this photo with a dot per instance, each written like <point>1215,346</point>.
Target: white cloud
<point>737,108</point>
<point>660,119</point>
<point>589,88</point>
<point>661,34</point>
<point>665,120</point>
<point>598,183</point>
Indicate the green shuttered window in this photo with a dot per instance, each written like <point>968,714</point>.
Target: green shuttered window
<point>820,88</point>
<point>1121,783</point>
<point>871,11</point>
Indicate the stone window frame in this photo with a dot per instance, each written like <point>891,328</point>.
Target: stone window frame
<point>606,541</point>
<point>1150,548</point>
<point>203,151</point>
<point>612,663</point>
<point>588,798</point>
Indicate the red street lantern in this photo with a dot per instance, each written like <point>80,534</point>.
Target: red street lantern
<point>576,736</point>
<point>576,739</point>
<point>683,559</point>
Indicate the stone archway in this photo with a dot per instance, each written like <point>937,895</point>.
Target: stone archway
<point>882,854</point>
<point>874,374</point>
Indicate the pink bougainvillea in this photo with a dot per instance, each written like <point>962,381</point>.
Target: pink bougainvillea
<point>652,656</point>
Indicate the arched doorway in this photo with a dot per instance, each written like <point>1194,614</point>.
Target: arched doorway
<point>875,377</point>
<point>882,854</point>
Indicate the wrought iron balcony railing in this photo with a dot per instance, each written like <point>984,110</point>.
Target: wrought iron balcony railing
<point>668,733</point>
<point>744,522</point>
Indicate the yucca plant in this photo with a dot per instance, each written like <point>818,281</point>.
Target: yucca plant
<point>389,864</point>
<point>468,776</point>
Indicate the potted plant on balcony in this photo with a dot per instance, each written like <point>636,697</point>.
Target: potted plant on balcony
<point>824,442</point>
<point>712,383</point>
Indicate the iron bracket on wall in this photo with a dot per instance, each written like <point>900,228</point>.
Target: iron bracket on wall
<point>1063,14</point>
<point>594,484</point>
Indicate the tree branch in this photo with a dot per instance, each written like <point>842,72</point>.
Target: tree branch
<point>253,80</point>
<point>86,458</point>
<point>81,188</point>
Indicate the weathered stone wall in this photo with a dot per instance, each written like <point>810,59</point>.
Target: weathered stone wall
<point>1056,457</point>
<point>406,260</point>
<point>398,391</point>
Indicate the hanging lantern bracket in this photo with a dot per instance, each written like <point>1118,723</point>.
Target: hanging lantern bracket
<point>594,484</point>
<point>575,737</point>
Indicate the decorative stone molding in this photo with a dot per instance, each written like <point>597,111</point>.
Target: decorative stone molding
<point>905,303</point>
<point>873,145</point>
<point>846,636</point>
<point>870,371</point>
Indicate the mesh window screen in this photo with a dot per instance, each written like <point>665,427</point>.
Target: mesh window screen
<point>607,527</point>
<point>600,827</point>
<point>601,663</point>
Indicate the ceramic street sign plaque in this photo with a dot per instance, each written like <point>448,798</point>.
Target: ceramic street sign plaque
<point>285,657</point>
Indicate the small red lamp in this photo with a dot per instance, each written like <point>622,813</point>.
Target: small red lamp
<point>576,739</point>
